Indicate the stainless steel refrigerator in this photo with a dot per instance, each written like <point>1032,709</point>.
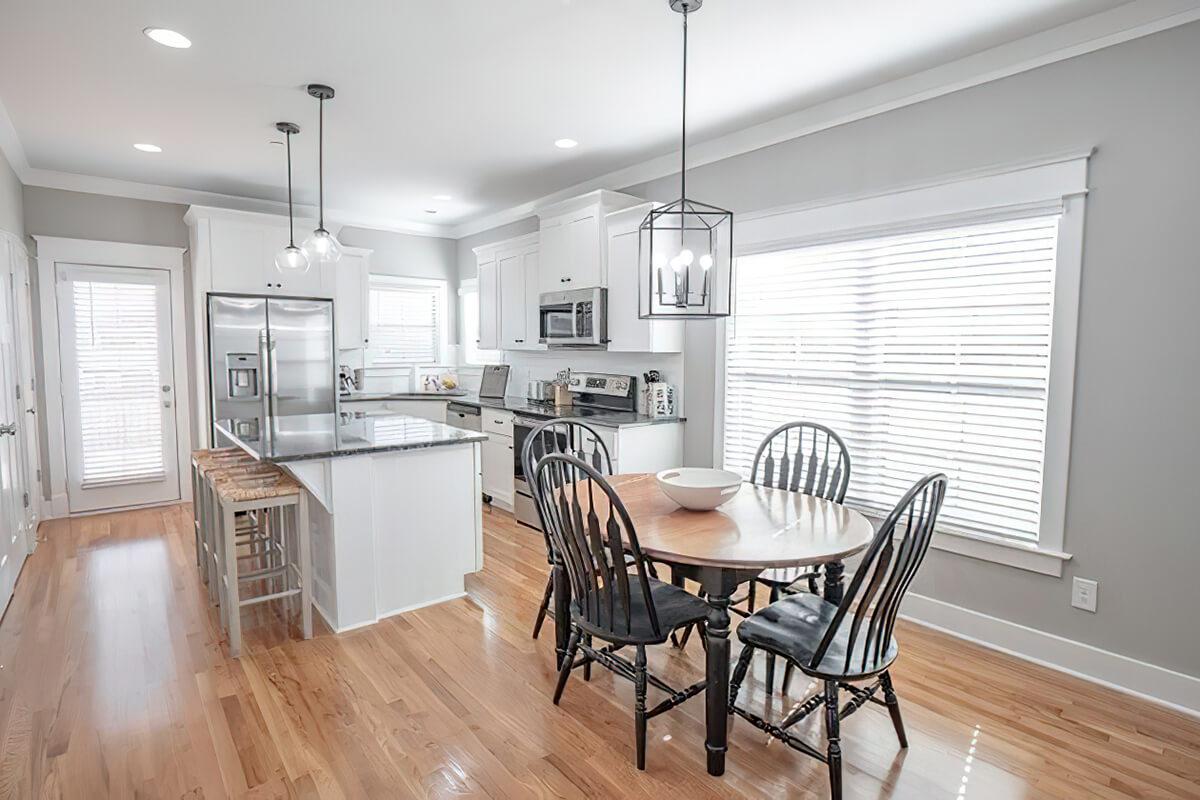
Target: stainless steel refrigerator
<point>269,357</point>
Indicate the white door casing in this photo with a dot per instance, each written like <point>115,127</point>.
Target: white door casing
<point>56,250</point>
<point>14,479</point>
<point>118,386</point>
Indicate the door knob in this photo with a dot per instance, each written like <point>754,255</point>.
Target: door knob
<point>9,429</point>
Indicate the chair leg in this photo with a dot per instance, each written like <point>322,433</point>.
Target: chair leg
<point>835,743</point>
<point>230,577</point>
<point>739,674</point>
<point>771,656</point>
<point>750,597</point>
<point>544,607</point>
<point>893,706</point>
<point>639,708</point>
<point>587,665</point>
<point>787,678</point>
<point>564,672</point>
<point>303,533</point>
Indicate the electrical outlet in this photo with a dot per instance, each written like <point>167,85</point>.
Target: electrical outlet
<point>1083,594</point>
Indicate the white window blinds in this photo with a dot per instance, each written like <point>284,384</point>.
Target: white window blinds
<point>925,351</point>
<point>120,386</point>
<point>406,322</point>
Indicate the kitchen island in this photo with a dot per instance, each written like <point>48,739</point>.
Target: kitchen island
<point>395,506</point>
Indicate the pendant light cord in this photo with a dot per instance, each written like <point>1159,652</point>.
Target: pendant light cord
<point>683,117</point>
<point>291,224</point>
<point>321,165</point>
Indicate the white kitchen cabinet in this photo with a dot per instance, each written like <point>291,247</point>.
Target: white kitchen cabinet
<point>573,241</point>
<point>626,332</point>
<point>351,277</point>
<point>240,249</point>
<point>498,461</point>
<point>489,305</point>
<point>508,294</point>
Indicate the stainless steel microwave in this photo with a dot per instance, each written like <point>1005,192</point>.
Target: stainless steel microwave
<point>578,318</point>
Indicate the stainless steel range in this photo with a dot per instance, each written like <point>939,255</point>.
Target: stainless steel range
<point>592,393</point>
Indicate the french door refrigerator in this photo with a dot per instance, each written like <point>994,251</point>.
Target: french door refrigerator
<point>269,357</point>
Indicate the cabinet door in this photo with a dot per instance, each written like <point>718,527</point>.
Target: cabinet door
<point>583,266</point>
<point>300,284</point>
<point>511,269</point>
<point>626,333</point>
<point>350,280</point>
<point>240,260</point>
<point>532,259</point>
<point>554,256</point>
<point>498,468</point>
<point>489,307</point>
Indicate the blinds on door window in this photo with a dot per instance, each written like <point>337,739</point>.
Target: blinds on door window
<point>120,386</point>
<point>405,321</point>
<point>925,351</point>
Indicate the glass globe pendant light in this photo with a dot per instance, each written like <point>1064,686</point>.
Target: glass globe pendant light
<point>322,247</point>
<point>685,248</point>
<point>290,259</point>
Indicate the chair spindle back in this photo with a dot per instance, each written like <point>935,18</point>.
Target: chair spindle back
<point>591,530</point>
<point>882,578</point>
<point>803,457</point>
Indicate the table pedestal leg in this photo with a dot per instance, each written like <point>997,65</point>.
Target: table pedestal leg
<point>716,692</point>
<point>562,613</point>
<point>833,581</point>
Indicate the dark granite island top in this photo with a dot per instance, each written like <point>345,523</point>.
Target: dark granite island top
<point>305,437</point>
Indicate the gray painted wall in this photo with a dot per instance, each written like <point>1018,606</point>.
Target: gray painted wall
<point>1135,451</point>
<point>412,257</point>
<point>12,216</point>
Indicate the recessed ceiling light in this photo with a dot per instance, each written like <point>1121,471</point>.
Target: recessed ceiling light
<point>168,37</point>
<point>148,148</point>
<point>431,211</point>
<point>565,144</point>
<point>442,197</point>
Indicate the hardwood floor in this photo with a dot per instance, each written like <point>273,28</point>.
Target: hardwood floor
<point>114,683</point>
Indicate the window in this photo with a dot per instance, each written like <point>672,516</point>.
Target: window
<point>469,304</point>
<point>925,351</point>
<point>407,320</point>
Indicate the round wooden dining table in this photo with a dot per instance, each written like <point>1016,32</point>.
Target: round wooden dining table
<point>761,528</point>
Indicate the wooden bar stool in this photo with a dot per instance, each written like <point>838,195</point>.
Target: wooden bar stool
<point>280,505</point>
<point>251,531</point>
<point>204,464</point>
<point>202,461</point>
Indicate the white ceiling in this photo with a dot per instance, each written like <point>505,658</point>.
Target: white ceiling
<point>461,97</point>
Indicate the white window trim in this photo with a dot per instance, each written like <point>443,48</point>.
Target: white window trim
<point>443,298</point>
<point>1058,180</point>
<point>50,251</point>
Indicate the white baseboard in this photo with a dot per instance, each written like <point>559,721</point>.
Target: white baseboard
<point>1159,685</point>
<point>332,626</point>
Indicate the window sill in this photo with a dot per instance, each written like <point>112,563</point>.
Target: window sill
<point>1000,551</point>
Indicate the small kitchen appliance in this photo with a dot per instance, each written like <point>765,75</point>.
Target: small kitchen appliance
<point>540,391</point>
<point>592,394</point>
<point>577,318</point>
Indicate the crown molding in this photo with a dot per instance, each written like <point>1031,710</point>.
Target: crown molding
<point>1127,22</point>
<point>1122,24</point>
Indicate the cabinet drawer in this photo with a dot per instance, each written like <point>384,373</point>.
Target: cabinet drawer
<point>497,422</point>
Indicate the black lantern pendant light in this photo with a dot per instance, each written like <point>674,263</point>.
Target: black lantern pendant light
<point>290,259</point>
<point>322,246</point>
<point>685,255</point>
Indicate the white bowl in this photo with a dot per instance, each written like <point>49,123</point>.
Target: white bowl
<point>699,489</point>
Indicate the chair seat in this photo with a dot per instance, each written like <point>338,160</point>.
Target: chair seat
<point>793,628</point>
<point>676,607</point>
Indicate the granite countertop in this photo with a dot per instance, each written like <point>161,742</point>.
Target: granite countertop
<point>310,436</point>
<point>593,416</point>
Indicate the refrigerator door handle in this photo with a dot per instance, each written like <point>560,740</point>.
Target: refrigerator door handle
<point>264,383</point>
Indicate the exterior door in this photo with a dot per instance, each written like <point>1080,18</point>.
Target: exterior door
<point>117,386</point>
<point>13,545</point>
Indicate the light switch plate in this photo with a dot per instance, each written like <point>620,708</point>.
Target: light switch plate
<point>1083,594</point>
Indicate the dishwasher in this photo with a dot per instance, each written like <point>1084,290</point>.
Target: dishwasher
<point>466,417</point>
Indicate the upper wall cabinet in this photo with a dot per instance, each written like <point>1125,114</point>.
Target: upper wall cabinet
<point>573,249</point>
<point>626,332</point>
<point>350,277</point>
<point>508,294</point>
<point>234,251</point>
